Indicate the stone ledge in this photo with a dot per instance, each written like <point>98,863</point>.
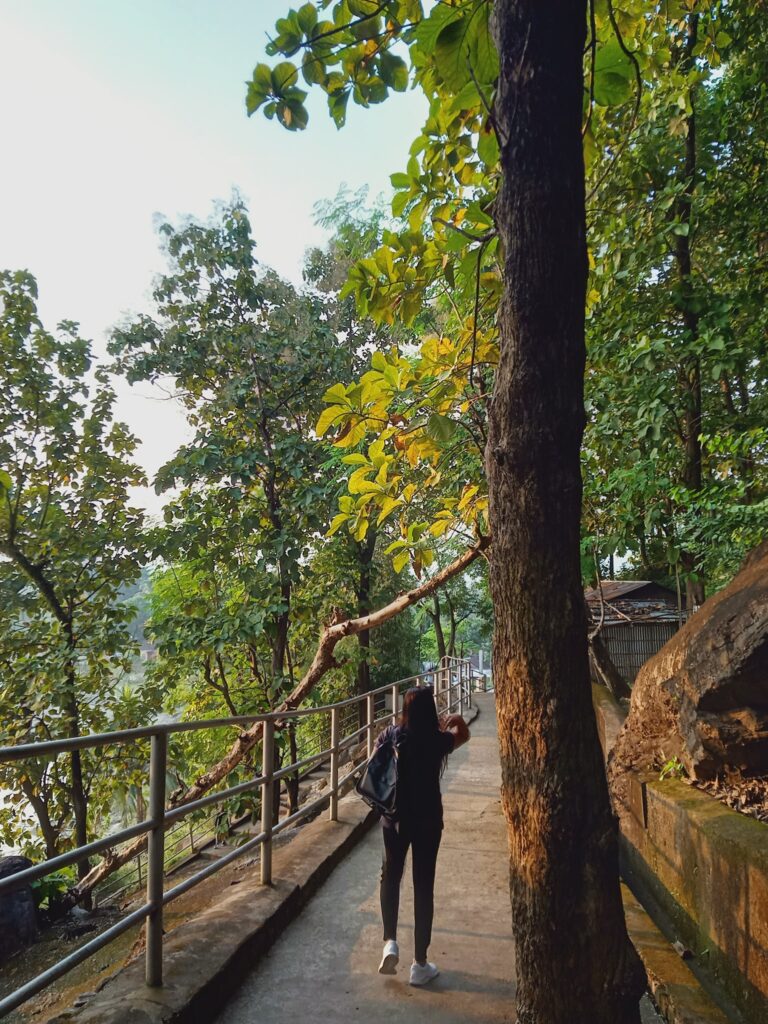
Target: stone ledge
<point>675,989</point>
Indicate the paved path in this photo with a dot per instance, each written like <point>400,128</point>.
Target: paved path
<point>324,967</point>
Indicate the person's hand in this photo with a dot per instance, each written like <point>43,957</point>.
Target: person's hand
<point>448,721</point>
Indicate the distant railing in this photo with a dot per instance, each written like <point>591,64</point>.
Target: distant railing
<point>453,682</point>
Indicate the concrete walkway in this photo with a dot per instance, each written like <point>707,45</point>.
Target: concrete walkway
<point>324,967</point>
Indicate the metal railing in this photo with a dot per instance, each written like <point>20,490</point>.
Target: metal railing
<point>453,682</point>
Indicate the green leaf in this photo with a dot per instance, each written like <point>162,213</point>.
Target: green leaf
<point>313,69</point>
<point>488,148</point>
<point>441,428</point>
<point>399,202</point>
<point>284,76</point>
<point>307,16</point>
<point>394,71</point>
<point>6,483</point>
<point>452,54</point>
<point>428,29</point>
<point>614,75</point>
<point>337,105</point>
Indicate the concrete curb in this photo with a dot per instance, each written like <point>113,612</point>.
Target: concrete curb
<point>206,958</point>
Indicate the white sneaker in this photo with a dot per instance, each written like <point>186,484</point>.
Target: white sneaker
<point>421,974</point>
<point>389,957</point>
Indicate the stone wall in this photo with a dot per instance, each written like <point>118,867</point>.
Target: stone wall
<point>702,867</point>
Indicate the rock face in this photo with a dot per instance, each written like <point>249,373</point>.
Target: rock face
<point>704,697</point>
<point>18,915</point>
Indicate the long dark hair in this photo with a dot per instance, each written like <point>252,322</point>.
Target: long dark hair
<point>419,715</point>
<point>420,722</point>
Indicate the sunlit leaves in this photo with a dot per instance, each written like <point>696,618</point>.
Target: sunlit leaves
<point>415,409</point>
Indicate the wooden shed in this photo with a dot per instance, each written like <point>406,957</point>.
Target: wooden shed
<point>638,618</point>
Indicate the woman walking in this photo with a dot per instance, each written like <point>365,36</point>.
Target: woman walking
<point>424,743</point>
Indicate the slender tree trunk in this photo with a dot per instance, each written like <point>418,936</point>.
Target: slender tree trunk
<point>453,627</point>
<point>437,622</point>
<point>77,784</point>
<point>690,373</point>
<point>364,560</point>
<point>575,964</point>
<point>40,807</point>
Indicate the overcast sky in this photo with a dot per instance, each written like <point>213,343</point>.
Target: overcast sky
<point>114,112</point>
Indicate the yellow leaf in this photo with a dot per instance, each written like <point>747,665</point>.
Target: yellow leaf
<point>358,479</point>
<point>467,495</point>
<point>328,417</point>
<point>336,523</point>
<point>438,529</point>
<point>400,560</point>
<point>388,505</point>
<point>360,530</point>
<point>352,435</point>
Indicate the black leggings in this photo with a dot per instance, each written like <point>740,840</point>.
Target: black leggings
<point>425,842</point>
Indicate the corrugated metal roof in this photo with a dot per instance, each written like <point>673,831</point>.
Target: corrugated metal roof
<point>615,588</point>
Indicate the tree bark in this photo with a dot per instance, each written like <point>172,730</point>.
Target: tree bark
<point>575,964</point>
<point>247,740</point>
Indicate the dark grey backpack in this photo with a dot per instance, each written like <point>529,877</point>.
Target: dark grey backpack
<point>378,783</point>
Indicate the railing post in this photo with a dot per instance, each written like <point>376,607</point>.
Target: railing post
<point>267,798</point>
<point>371,704</point>
<point>158,756</point>
<point>461,687</point>
<point>395,695</point>
<point>333,813</point>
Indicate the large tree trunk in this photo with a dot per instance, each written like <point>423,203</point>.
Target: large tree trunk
<point>575,964</point>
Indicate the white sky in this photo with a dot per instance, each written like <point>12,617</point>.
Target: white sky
<point>113,112</point>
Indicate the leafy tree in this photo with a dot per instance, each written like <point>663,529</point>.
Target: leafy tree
<point>247,357</point>
<point>675,447</point>
<point>70,541</point>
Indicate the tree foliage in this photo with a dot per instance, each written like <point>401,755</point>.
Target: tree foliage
<point>70,541</point>
<point>673,461</point>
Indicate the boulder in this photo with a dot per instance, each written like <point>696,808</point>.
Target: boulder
<point>18,913</point>
<point>703,699</point>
